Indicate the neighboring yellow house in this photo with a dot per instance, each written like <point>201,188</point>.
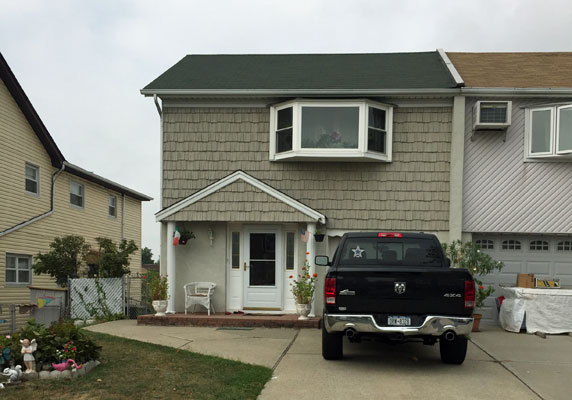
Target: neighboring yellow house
<point>43,196</point>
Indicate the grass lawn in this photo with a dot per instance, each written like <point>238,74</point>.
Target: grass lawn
<point>135,370</point>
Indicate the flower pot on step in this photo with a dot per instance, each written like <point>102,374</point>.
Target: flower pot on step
<point>160,307</point>
<point>303,310</point>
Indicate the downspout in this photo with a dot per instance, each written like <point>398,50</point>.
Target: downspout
<point>41,216</point>
<point>122,216</point>
<point>160,111</point>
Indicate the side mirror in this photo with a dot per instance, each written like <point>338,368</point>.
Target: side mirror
<point>447,262</point>
<point>322,260</point>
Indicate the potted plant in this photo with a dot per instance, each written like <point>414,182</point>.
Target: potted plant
<point>158,292</point>
<point>469,256</point>
<point>303,290</point>
<point>319,236</point>
<point>186,236</point>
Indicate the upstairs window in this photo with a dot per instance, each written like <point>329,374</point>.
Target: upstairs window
<point>32,179</point>
<point>76,194</point>
<point>331,130</point>
<point>112,209</point>
<point>549,131</point>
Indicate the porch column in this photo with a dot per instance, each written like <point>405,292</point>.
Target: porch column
<point>311,248</point>
<point>171,267</point>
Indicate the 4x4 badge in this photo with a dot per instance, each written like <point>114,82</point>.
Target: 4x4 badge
<point>399,287</point>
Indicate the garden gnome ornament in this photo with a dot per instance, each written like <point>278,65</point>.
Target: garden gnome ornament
<point>28,349</point>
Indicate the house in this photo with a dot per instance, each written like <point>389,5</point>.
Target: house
<point>261,151</point>
<point>518,162</point>
<point>43,196</point>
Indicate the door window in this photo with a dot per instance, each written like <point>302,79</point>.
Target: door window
<point>262,259</point>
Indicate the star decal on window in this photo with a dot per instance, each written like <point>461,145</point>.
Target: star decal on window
<point>357,252</point>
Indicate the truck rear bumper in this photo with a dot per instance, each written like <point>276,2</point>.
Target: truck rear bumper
<point>433,325</point>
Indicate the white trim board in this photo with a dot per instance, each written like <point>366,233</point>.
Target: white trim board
<point>227,180</point>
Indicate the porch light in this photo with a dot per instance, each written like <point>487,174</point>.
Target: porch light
<point>211,235</point>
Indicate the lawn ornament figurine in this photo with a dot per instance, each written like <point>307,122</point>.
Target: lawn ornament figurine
<point>13,374</point>
<point>63,366</point>
<point>28,349</point>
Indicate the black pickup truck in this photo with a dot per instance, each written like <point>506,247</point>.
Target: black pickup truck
<point>396,287</point>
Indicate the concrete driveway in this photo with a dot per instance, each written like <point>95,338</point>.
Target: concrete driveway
<point>500,365</point>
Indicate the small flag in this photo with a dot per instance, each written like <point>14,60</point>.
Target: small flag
<point>176,236</point>
<point>45,300</point>
<point>305,235</point>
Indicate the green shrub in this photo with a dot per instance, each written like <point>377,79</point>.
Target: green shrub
<point>50,340</point>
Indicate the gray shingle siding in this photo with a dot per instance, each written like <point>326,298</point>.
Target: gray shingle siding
<point>202,145</point>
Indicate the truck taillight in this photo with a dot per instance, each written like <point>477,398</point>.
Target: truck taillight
<point>330,291</point>
<point>389,234</point>
<point>470,294</point>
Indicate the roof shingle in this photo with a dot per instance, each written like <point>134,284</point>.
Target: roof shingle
<point>424,70</point>
<point>514,70</point>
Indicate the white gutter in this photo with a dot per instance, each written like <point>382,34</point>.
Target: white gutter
<point>521,92</point>
<point>451,67</point>
<point>291,92</point>
<point>41,216</point>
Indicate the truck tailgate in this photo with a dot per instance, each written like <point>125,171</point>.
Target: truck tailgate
<point>412,291</point>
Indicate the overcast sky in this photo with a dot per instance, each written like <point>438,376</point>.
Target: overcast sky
<point>82,63</point>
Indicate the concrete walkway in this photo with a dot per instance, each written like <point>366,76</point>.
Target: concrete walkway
<point>499,364</point>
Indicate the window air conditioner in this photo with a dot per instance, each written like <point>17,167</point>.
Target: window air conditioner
<point>491,115</point>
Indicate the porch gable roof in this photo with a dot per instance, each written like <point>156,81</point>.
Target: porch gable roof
<point>248,179</point>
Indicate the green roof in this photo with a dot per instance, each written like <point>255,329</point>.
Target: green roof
<point>305,72</point>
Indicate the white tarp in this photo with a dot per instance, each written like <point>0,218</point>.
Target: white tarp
<point>547,310</point>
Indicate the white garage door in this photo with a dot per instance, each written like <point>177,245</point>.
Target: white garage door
<point>544,256</point>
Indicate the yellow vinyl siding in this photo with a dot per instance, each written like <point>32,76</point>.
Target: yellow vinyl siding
<point>18,145</point>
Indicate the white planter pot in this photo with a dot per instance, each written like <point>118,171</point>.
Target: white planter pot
<point>303,310</point>
<point>160,307</point>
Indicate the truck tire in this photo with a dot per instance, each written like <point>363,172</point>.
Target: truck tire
<point>454,351</point>
<point>332,345</point>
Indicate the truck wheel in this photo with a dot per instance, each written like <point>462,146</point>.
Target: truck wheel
<point>454,351</point>
<point>332,345</point>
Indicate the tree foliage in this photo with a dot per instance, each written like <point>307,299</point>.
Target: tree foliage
<point>114,260</point>
<point>147,256</point>
<point>63,261</point>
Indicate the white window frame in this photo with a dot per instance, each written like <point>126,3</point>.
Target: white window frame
<point>361,153</point>
<point>37,168</point>
<point>72,182</point>
<point>557,130</point>
<point>114,216</point>
<point>553,153</point>
<point>18,256</point>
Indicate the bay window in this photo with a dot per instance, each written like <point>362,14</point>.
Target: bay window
<point>336,130</point>
<point>549,131</point>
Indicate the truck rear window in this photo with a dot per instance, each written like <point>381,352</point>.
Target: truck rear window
<point>386,251</point>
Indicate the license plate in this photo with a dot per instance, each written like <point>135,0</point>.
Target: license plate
<point>399,321</point>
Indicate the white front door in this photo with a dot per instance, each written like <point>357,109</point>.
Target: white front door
<point>263,259</point>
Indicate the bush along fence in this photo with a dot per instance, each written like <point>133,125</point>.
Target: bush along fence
<point>60,351</point>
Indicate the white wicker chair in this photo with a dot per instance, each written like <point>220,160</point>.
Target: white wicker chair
<point>199,293</point>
